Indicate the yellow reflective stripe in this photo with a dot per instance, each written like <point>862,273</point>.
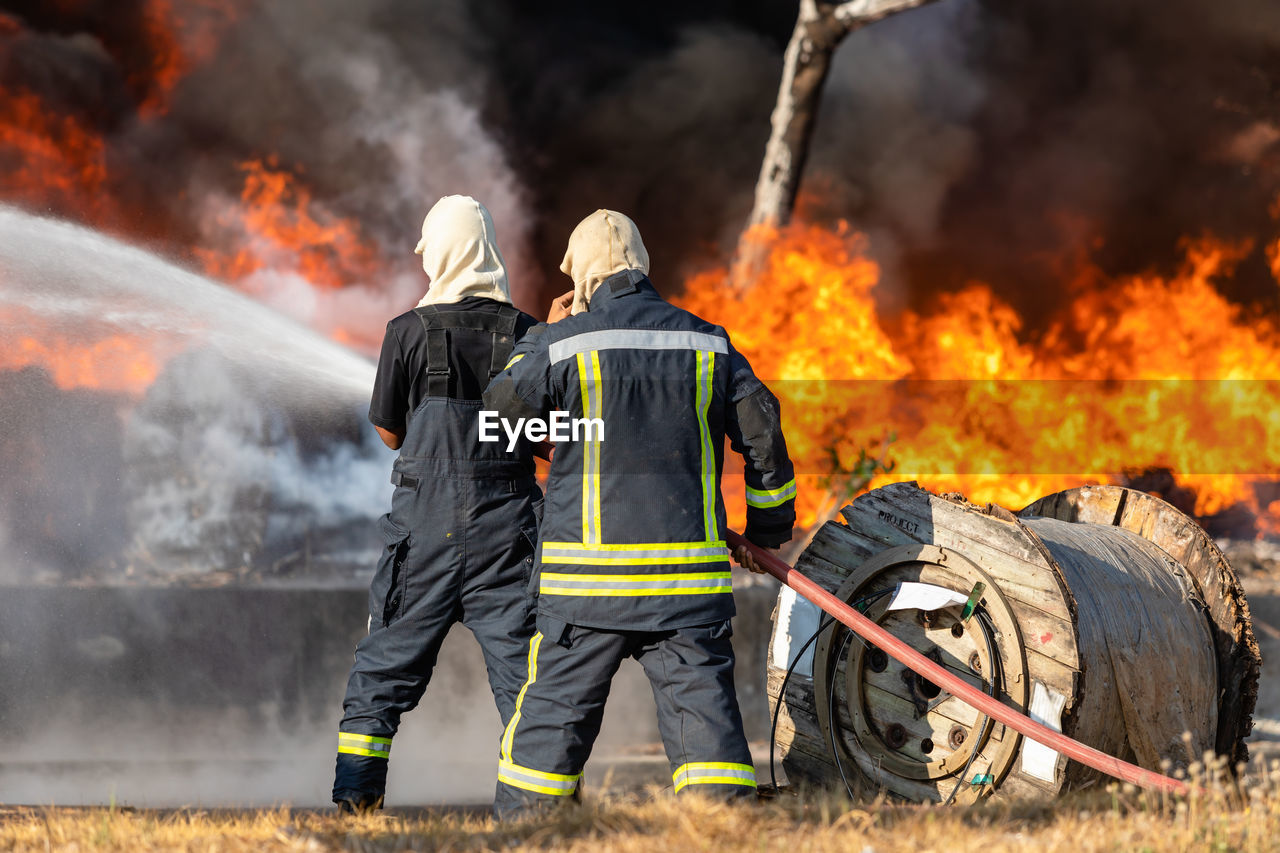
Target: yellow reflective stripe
<point>713,773</point>
<point>514,359</point>
<point>679,583</point>
<point>359,738</point>
<point>635,546</point>
<point>353,743</point>
<point>584,389</point>
<point>555,784</point>
<point>594,446</point>
<point>631,561</point>
<point>634,553</point>
<point>765,498</point>
<point>672,576</point>
<point>726,588</point>
<point>706,367</point>
<point>589,385</point>
<point>509,736</point>
<point>360,744</point>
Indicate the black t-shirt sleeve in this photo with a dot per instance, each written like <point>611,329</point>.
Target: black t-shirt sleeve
<point>390,404</point>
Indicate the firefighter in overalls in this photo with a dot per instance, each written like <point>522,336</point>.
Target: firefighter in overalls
<point>632,560</point>
<point>459,540</point>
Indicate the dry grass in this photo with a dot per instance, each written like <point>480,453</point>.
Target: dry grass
<point>1227,817</point>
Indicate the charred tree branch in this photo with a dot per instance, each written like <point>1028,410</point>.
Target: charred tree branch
<point>820,27</point>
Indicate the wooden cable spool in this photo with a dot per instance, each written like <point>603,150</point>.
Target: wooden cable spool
<point>1103,610</point>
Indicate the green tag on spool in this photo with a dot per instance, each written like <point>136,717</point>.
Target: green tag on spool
<point>983,779</point>
<point>974,596</point>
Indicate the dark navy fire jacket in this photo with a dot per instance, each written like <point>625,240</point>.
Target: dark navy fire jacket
<point>632,533</point>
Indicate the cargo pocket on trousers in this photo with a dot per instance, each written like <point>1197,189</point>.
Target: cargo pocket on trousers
<point>386,593</point>
<point>529,546</point>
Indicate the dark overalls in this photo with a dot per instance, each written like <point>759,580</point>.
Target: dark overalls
<point>457,546</point>
<point>632,561</point>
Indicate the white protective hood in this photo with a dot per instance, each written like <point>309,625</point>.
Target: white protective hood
<point>605,243</point>
<point>460,253</point>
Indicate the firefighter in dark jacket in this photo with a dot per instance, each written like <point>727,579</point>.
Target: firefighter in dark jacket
<point>632,559</point>
<point>459,540</point>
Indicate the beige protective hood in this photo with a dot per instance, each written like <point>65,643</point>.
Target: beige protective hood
<point>604,243</point>
<point>460,254</point>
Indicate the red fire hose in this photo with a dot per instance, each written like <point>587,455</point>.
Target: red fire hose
<point>966,692</point>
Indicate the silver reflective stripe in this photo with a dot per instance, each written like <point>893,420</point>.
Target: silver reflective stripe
<point>651,339</point>
<point>713,773</point>
<point>765,498</point>
<point>555,784</point>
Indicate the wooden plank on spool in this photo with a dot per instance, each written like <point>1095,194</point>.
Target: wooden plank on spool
<point>1003,549</point>
<point>895,515</point>
<point>1047,635</point>
<point>842,545</point>
<point>1086,504</point>
<point>952,527</point>
<point>826,574</point>
<point>906,789</point>
<point>799,761</point>
<point>922,727</point>
<point>890,682</point>
<point>805,753</point>
<point>799,692</point>
<point>1017,564</point>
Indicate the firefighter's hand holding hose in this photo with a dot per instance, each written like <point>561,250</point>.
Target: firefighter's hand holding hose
<point>743,557</point>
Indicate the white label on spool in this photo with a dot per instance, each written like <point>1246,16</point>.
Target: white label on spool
<point>909,595</point>
<point>1039,760</point>
<point>797,620</point>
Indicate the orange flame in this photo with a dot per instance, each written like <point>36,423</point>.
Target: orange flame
<point>1064,402</point>
<point>116,363</point>
<point>46,158</point>
<point>279,228</point>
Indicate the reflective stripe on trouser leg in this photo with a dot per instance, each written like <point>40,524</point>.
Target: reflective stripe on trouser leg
<point>353,743</point>
<point>509,735</point>
<point>359,779</point>
<point>528,779</point>
<point>560,714</point>
<point>713,773</point>
<point>691,671</point>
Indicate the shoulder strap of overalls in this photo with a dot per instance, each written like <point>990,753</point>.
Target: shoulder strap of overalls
<point>437,322</point>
